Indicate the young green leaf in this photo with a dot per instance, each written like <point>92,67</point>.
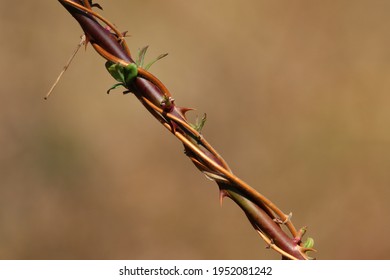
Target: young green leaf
<point>116,71</point>
<point>309,243</point>
<point>141,56</point>
<point>155,60</point>
<point>199,123</point>
<point>130,72</point>
<point>125,75</point>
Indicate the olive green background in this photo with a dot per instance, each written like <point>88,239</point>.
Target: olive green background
<point>297,99</point>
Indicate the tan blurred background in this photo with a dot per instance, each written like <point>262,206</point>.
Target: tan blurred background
<point>297,97</point>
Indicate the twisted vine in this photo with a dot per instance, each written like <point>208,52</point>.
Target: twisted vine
<point>274,227</point>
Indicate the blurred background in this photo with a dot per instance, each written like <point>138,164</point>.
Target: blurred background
<point>297,99</point>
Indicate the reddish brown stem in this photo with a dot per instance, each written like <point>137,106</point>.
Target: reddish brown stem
<point>267,219</point>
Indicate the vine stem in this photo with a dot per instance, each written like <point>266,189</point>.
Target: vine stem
<point>244,187</point>
<point>266,218</point>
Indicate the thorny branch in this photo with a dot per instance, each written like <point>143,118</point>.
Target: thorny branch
<point>266,218</point>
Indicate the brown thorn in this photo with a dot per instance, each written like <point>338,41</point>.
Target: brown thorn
<point>86,4</point>
<point>222,195</point>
